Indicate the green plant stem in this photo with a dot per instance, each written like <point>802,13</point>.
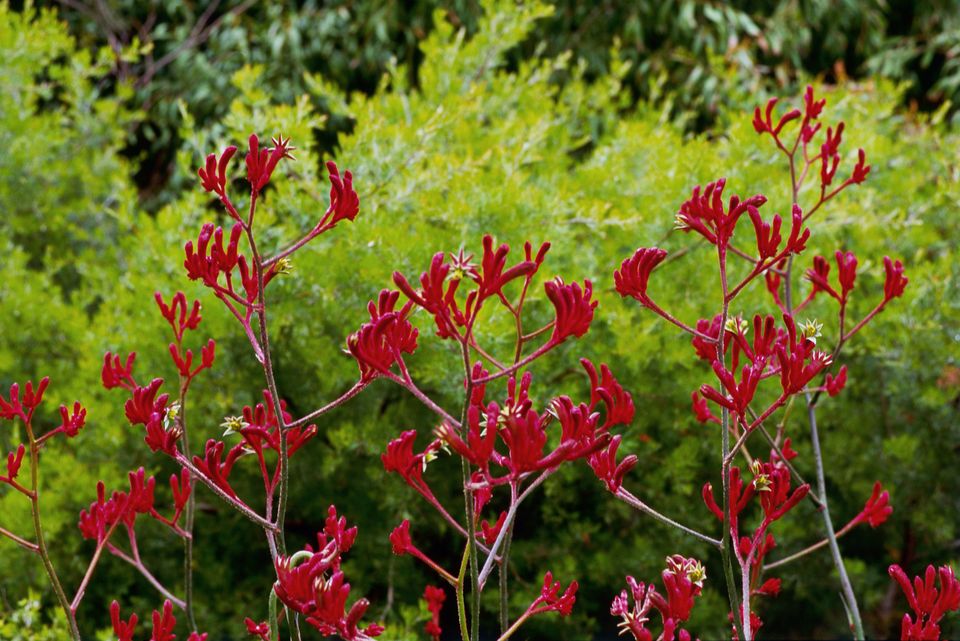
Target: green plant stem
<point>189,515</point>
<point>845,584</point>
<point>504,580</point>
<point>38,531</point>
<point>468,499</point>
<point>461,607</point>
<point>272,614</point>
<point>725,540</point>
<point>283,454</point>
<point>813,548</point>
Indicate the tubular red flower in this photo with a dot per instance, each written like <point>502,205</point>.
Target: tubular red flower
<point>705,214</point>
<point>764,124</point>
<point>344,202</point>
<point>23,408</point>
<point>605,466</point>
<point>114,374</point>
<point>702,410</point>
<point>215,467</point>
<point>164,624</point>
<point>145,402</point>
<point>379,343</point>
<point>551,599</point>
<point>634,274</point>
<point>123,629</point>
<point>207,262</point>
<point>683,579</point>
<point>71,422</point>
<point>877,508</point>
<point>260,630</point>
<point>213,175</point>
<point>434,598</point>
<point>819,274</point>
<point>836,384</point>
<point>492,278</point>
<point>574,309</point>
<point>861,169</point>
<point>929,604</point>
<point>895,281</point>
<point>262,162</point>
<point>160,439</point>
<point>436,295</point>
<point>618,402</point>
<point>847,269</point>
<point>176,313</point>
<point>14,461</point>
<point>316,588</point>
<point>490,532</point>
<point>481,435</point>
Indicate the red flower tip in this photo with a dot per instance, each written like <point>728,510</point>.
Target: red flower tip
<point>929,604</point>
<point>605,466</point>
<point>164,624</point>
<point>344,201</point>
<point>262,162</point>
<point>213,175</point>
<point>72,421</point>
<point>836,384</point>
<point>895,281</point>
<point>491,532</point>
<point>14,461</point>
<point>123,629</point>
<point>702,409</point>
<point>847,268</point>
<point>770,587</point>
<point>114,374</point>
<point>176,313</point>
<point>634,274</point>
<point>259,630</point>
<point>434,598</point>
<point>574,309</point>
<point>380,343</point>
<point>551,599</point>
<point>861,169</point>
<point>877,508</point>
<point>400,538</point>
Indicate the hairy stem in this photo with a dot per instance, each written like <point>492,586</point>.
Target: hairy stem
<point>634,502</point>
<point>38,532</point>
<point>848,593</point>
<point>188,516</point>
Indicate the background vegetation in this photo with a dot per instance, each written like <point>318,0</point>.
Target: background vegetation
<point>544,122</point>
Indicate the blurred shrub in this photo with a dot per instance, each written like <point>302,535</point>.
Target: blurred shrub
<point>484,142</point>
<point>691,56</point>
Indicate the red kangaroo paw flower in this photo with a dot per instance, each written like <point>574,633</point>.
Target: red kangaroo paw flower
<point>573,307</point>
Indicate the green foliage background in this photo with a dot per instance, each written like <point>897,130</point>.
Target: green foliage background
<point>477,131</point>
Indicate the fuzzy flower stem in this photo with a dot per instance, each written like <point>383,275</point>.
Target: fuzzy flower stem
<point>232,502</point>
<point>847,587</point>
<point>631,500</point>
<point>137,563</point>
<point>849,596</point>
<point>726,545</point>
<point>25,544</point>
<point>346,396</point>
<point>813,548</point>
<point>65,605</point>
<point>461,607</point>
